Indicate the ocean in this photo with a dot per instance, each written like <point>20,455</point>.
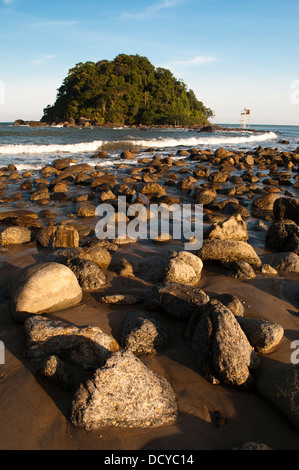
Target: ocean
<point>31,148</point>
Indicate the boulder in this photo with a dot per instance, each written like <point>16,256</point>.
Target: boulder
<point>279,385</point>
<point>43,288</point>
<point>124,393</point>
<point>239,270</point>
<point>90,276</point>
<point>60,236</point>
<point>222,352</point>
<point>178,300</point>
<point>85,346</point>
<point>227,251</point>
<point>15,235</point>
<point>143,334</point>
<point>86,209</point>
<point>265,202</point>
<point>283,236</point>
<point>264,336</point>
<point>233,228</point>
<point>286,208</point>
<point>183,268</point>
<point>287,262</point>
<point>63,163</point>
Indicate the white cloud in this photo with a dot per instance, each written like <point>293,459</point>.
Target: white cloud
<point>8,2</point>
<point>43,58</point>
<point>198,60</point>
<point>152,9</point>
<point>56,23</point>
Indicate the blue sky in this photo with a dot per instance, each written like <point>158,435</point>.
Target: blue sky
<point>233,54</point>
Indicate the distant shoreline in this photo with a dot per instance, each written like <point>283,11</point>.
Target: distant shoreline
<point>209,128</point>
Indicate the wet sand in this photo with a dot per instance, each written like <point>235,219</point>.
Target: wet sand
<point>34,414</point>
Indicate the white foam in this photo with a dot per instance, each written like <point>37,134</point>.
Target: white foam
<point>81,147</point>
<point>195,141</point>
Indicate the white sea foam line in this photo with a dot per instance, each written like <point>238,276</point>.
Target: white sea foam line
<point>35,149</point>
<point>84,147</point>
<point>193,141</point>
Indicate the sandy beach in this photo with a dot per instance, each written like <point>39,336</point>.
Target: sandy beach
<point>35,413</point>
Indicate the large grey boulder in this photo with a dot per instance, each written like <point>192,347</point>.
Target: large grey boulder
<point>87,346</point>
<point>124,393</point>
<point>228,250</point>
<point>264,336</point>
<point>222,352</point>
<point>279,385</point>
<point>44,288</point>
<point>143,334</point>
<point>183,268</point>
<point>177,300</point>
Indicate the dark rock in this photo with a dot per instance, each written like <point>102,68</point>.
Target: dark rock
<point>178,300</point>
<point>286,208</point>
<point>85,346</point>
<point>222,352</point>
<point>264,336</point>
<point>143,334</point>
<point>279,385</point>
<point>283,236</point>
<point>239,270</point>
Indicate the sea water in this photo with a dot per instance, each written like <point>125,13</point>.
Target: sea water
<point>30,148</point>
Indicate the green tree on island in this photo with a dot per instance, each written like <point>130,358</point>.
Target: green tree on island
<point>126,91</point>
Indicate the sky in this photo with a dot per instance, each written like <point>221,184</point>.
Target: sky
<point>232,54</point>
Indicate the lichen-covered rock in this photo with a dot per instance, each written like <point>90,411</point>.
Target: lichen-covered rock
<point>87,346</point>
<point>222,352</point>
<point>233,228</point>
<point>43,288</point>
<point>15,236</point>
<point>264,336</point>
<point>124,393</point>
<point>228,250</point>
<point>143,334</point>
<point>178,300</point>
<point>183,268</point>
<point>279,385</point>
